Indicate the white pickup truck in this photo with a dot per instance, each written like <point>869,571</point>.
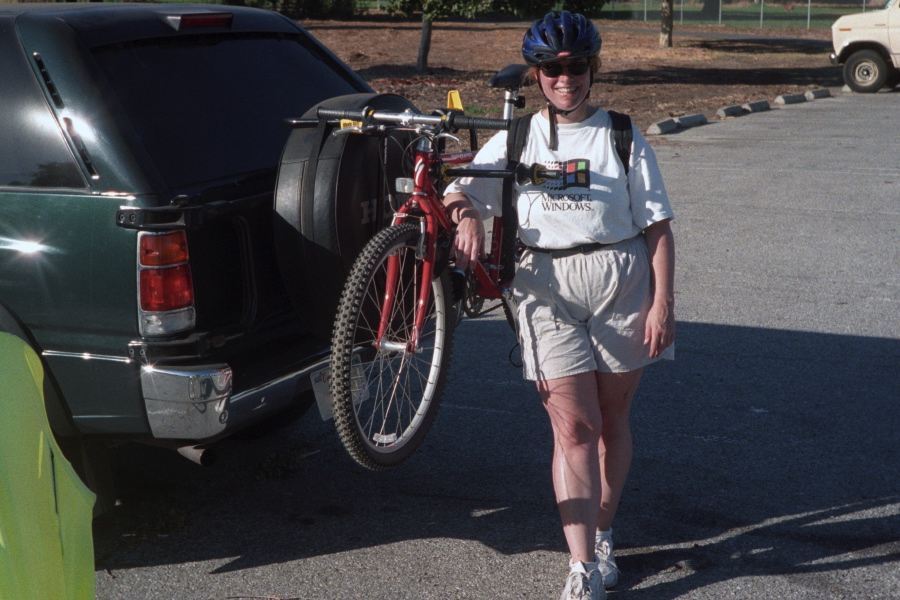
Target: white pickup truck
<point>868,45</point>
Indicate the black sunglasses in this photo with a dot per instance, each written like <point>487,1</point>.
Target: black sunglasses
<point>555,69</point>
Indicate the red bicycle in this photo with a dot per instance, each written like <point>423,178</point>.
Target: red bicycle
<point>396,317</point>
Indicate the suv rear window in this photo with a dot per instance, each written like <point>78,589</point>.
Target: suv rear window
<point>33,151</point>
<point>212,106</point>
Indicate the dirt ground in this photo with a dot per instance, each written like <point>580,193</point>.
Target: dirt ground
<point>702,73</point>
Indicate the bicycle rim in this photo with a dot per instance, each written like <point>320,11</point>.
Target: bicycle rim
<point>385,396</point>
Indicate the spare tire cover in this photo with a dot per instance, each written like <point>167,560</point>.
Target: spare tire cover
<point>333,194</point>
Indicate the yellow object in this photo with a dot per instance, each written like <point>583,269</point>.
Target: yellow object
<point>454,102</point>
<point>46,545</point>
<point>345,123</point>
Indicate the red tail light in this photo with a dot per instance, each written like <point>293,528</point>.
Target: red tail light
<point>166,289</point>
<point>165,283</point>
<point>201,20</point>
<point>163,250</point>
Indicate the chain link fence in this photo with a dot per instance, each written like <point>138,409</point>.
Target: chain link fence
<point>770,14</point>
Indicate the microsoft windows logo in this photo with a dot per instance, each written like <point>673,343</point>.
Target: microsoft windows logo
<point>571,174</point>
<point>577,174</point>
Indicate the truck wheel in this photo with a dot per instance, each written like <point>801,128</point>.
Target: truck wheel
<point>865,72</point>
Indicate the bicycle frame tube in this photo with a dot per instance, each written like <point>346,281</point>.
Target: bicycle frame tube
<point>434,219</point>
<point>488,278</point>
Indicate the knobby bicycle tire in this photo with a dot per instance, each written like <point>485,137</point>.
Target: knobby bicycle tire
<point>509,311</point>
<point>386,398</point>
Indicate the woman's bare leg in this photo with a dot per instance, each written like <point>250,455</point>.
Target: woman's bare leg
<point>615,392</point>
<point>590,417</point>
<point>575,418</point>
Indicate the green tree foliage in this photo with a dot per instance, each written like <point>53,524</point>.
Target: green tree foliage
<point>436,10</point>
<point>532,9</point>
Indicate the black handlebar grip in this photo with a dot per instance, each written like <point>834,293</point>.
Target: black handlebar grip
<point>464,122</point>
<point>335,113</point>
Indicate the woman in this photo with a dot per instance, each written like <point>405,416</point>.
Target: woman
<point>594,286</point>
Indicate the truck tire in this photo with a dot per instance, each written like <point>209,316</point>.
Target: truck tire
<point>865,72</point>
<point>332,196</point>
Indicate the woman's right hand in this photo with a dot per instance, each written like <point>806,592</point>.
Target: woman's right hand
<point>468,242</point>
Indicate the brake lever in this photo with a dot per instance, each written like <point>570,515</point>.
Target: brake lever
<point>448,136</point>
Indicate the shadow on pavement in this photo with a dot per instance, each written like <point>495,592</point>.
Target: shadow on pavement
<point>812,76</point>
<point>757,452</point>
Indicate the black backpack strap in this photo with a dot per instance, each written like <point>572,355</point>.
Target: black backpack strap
<point>517,136</point>
<point>515,142</point>
<point>623,137</point>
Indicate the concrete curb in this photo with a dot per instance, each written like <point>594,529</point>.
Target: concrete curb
<point>670,125</point>
<point>816,94</point>
<point>730,111</point>
<point>691,120</point>
<point>678,123</point>
<point>758,106</point>
<point>790,99</point>
<point>661,127</point>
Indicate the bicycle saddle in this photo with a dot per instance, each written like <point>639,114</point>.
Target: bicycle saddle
<point>509,78</point>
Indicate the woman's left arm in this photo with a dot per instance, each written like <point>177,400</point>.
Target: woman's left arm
<point>660,330</point>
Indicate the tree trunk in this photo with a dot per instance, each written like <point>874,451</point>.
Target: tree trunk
<point>666,14</point>
<point>424,45</point>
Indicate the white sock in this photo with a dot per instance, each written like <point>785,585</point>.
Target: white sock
<point>582,567</point>
<point>604,534</point>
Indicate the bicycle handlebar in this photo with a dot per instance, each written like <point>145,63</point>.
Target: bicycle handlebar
<point>453,121</point>
<point>464,122</point>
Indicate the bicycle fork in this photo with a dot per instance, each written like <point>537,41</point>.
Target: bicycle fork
<point>424,198</point>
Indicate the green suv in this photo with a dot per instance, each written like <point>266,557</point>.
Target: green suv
<point>140,151</point>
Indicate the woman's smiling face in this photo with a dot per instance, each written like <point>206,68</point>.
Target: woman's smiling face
<point>566,90</point>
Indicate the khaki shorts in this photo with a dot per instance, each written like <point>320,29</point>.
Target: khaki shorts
<point>584,312</point>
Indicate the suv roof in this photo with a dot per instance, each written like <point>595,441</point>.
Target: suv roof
<point>109,23</point>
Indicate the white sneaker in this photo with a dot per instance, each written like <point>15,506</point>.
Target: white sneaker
<point>584,583</point>
<point>606,562</point>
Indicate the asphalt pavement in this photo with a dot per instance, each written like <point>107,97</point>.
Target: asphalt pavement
<point>767,455</point>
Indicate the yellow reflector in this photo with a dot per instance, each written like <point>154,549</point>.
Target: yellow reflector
<point>453,100</point>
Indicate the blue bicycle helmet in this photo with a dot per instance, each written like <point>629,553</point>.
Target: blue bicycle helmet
<point>560,35</point>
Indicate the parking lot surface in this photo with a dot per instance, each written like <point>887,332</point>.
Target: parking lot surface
<point>765,455</point>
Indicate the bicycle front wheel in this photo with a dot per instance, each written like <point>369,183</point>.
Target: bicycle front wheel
<point>385,396</point>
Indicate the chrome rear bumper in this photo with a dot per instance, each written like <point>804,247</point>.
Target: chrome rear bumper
<point>198,403</point>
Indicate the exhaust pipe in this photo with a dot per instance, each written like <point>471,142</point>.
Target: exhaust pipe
<point>198,453</point>
<point>203,456</point>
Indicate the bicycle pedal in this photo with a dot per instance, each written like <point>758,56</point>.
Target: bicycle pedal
<point>458,285</point>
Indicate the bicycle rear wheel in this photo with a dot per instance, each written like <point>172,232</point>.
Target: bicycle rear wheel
<point>386,397</point>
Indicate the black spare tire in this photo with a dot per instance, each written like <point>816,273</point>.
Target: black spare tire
<point>333,194</point>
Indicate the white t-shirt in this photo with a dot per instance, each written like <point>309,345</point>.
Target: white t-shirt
<point>588,200</point>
